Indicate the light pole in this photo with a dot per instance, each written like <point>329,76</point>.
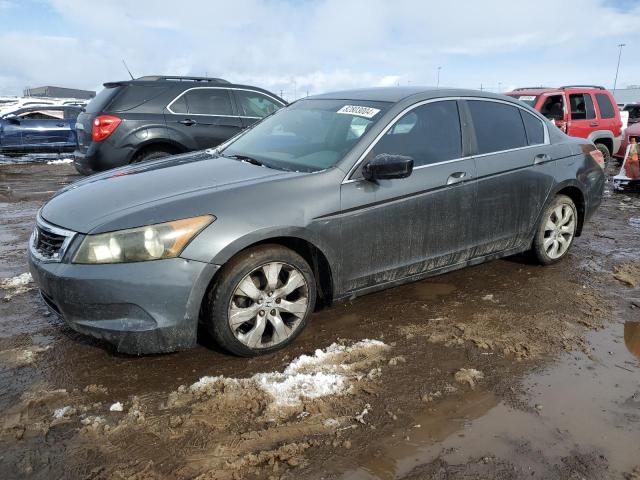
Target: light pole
<point>615,82</point>
<point>438,78</point>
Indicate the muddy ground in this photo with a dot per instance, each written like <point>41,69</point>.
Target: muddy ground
<point>505,370</point>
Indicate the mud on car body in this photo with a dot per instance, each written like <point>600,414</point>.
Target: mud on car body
<point>334,196</point>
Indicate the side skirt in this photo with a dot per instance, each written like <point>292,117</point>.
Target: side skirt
<point>431,273</point>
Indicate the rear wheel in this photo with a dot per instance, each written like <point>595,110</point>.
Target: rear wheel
<point>605,152</point>
<point>151,154</point>
<point>261,301</point>
<point>556,230</point>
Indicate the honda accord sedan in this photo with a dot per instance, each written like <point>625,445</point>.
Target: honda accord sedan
<point>331,197</point>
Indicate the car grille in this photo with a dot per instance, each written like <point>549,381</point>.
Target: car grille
<point>49,243</point>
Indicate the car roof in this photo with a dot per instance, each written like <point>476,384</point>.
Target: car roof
<point>397,94</point>
<point>190,82</point>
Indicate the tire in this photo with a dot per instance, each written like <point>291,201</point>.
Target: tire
<point>262,323</point>
<point>82,170</point>
<point>151,154</point>
<point>556,230</point>
<point>605,152</point>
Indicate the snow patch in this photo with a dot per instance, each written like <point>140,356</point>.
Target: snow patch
<point>61,412</point>
<point>469,375</point>
<point>116,407</point>
<point>16,282</point>
<point>62,161</point>
<point>16,285</point>
<point>326,372</point>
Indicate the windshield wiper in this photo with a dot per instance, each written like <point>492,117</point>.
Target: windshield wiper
<point>247,159</point>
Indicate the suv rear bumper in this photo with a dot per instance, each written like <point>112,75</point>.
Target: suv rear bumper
<point>101,156</point>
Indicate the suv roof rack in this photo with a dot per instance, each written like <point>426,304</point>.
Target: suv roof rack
<point>599,87</point>
<point>175,78</point>
<point>540,87</point>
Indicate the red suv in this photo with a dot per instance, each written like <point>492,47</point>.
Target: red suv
<point>583,111</point>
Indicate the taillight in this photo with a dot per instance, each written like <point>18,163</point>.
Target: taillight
<point>598,157</point>
<point>103,126</point>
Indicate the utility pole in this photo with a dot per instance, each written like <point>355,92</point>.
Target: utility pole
<point>615,82</point>
<point>438,77</point>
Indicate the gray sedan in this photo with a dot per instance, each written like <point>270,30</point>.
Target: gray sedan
<point>334,196</point>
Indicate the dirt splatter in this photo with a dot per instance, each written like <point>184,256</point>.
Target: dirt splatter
<point>628,273</point>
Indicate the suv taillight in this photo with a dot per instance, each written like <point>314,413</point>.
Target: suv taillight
<point>103,126</point>
<point>598,157</point>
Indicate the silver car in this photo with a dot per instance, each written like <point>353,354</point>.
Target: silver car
<point>334,196</point>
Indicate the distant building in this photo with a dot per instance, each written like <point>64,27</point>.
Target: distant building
<point>59,92</point>
<point>631,94</point>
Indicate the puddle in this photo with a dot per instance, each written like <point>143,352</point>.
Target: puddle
<point>635,222</point>
<point>577,403</point>
<point>632,338</point>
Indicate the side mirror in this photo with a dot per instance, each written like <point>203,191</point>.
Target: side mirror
<point>386,166</point>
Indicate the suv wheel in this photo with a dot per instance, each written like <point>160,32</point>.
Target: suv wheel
<point>556,230</point>
<point>261,301</point>
<point>150,154</point>
<point>605,152</point>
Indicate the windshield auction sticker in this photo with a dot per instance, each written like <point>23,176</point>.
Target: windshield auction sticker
<point>366,112</point>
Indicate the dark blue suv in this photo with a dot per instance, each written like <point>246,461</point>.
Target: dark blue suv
<point>152,117</point>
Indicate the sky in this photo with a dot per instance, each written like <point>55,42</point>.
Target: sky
<point>312,46</point>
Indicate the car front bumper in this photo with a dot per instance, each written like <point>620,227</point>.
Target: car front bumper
<point>140,308</point>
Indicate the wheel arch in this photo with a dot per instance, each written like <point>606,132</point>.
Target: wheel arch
<point>157,143</point>
<point>577,194</point>
<point>604,137</point>
<point>316,257</point>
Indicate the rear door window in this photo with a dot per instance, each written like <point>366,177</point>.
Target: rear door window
<point>203,101</point>
<point>255,104</point>
<point>581,106</point>
<point>604,104</point>
<point>533,128</point>
<point>497,126</point>
<point>429,134</point>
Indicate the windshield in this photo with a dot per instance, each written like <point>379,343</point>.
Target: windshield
<point>528,99</point>
<point>309,135</point>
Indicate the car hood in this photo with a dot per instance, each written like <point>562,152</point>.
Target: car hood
<point>147,193</point>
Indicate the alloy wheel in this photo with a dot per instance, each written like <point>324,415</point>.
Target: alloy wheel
<point>559,231</point>
<point>268,305</point>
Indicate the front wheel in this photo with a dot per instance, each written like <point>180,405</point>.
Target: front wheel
<point>261,301</point>
<point>556,230</point>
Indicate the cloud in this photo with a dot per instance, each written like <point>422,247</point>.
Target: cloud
<point>322,45</point>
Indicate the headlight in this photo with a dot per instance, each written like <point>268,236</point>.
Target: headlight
<point>152,242</point>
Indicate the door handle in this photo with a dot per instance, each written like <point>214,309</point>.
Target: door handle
<point>188,122</point>
<point>594,124</point>
<point>541,157</point>
<point>456,177</point>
